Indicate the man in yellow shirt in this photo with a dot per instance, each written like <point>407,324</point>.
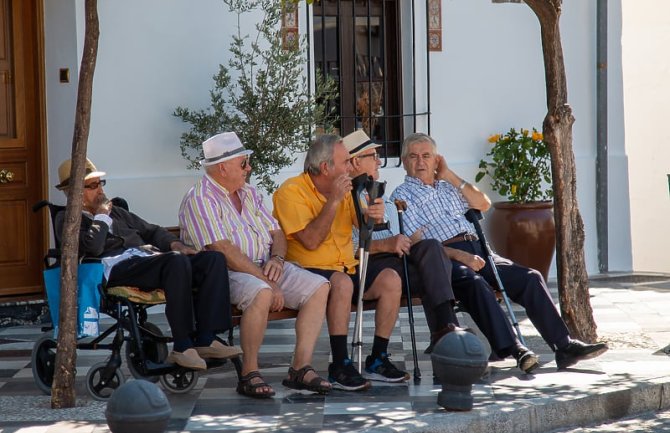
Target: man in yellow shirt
<point>316,212</point>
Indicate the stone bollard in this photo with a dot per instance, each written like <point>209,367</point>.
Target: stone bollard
<point>459,359</point>
<point>138,406</point>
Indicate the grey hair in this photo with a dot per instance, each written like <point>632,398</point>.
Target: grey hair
<point>320,150</point>
<point>417,137</point>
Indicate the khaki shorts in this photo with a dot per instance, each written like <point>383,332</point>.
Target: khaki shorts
<point>297,286</point>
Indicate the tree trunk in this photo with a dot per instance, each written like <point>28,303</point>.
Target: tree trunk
<point>557,129</point>
<point>62,389</point>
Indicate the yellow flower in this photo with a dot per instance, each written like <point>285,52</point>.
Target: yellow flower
<point>513,189</point>
<point>524,132</point>
<point>494,138</point>
<point>537,136</point>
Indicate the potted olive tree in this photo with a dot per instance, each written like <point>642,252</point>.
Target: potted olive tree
<point>521,228</point>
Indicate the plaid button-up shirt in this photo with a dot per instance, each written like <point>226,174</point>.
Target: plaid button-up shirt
<point>439,209</point>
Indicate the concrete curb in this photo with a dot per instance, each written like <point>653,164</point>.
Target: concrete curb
<point>544,414</point>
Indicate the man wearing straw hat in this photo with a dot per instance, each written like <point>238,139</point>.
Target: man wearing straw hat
<point>429,267</point>
<point>222,212</point>
<point>137,253</point>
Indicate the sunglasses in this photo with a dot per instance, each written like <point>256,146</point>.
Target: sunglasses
<point>245,162</point>
<point>96,185</point>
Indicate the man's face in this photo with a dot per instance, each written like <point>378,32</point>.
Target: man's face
<point>421,162</point>
<point>236,171</point>
<point>340,162</point>
<point>94,195</point>
<point>366,162</point>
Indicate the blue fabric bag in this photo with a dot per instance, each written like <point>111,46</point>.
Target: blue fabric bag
<point>89,276</point>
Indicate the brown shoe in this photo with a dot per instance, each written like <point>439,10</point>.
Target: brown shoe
<point>218,350</point>
<point>189,358</point>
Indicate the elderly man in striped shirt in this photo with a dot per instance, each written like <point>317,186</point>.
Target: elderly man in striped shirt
<point>222,212</point>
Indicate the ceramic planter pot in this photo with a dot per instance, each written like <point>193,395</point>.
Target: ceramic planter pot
<point>524,233</point>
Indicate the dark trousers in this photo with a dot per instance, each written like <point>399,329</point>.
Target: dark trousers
<point>429,272</point>
<point>177,274</point>
<point>523,285</point>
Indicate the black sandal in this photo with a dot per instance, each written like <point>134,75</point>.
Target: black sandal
<point>246,388</point>
<point>296,380</point>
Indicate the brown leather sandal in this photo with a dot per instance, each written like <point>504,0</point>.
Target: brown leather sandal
<point>249,389</point>
<point>296,380</point>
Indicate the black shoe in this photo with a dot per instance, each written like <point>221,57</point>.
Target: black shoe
<point>577,351</point>
<point>526,359</point>
<point>382,370</point>
<point>346,377</point>
<point>437,335</point>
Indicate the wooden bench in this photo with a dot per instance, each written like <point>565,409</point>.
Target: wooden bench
<point>287,313</point>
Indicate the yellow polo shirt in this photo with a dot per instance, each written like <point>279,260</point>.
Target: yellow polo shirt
<point>296,203</point>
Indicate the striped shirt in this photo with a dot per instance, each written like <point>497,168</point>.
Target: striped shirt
<point>438,209</point>
<point>207,215</point>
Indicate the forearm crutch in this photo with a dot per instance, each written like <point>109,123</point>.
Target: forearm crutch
<point>474,215</point>
<point>401,206</point>
<point>366,189</point>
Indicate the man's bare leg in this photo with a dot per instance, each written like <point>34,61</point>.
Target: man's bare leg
<point>308,327</point>
<point>252,330</point>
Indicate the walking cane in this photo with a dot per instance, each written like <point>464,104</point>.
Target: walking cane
<point>363,184</point>
<point>401,206</point>
<point>474,215</point>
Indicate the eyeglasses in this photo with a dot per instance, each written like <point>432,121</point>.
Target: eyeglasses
<point>245,162</point>
<point>369,155</point>
<point>96,185</point>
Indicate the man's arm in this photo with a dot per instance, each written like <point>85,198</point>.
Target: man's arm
<point>274,267</point>
<point>398,244</point>
<point>239,262</point>
<point>472,261</point>
<point>317,230</point>
<point>475,198</point>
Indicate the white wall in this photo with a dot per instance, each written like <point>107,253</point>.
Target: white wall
<point>155,55</point>
<point>490,77</point>
<point>646,68</point>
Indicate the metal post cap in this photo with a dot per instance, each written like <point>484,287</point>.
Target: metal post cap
<point>138,405</point>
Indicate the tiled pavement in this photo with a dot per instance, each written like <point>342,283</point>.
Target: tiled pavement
<point>631,312</point>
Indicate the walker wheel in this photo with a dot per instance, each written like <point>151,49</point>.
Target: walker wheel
<point>179,381</point>
<point>101,389</point>
<point>43,362</point>
<point>154,351</point>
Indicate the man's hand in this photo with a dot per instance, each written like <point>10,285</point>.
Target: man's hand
<point>180,247</point>
<point>104,205</point>
<point>417,235</point>
<point>341,187</point>
<point>273,269</point>
<point>400,244</point>
<point>441,167</point>
<point>277,297</point>
<point>472,261</point>
<point>376,210</point>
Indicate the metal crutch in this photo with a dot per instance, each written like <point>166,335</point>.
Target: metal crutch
<point>401,206</point>
<point>363,184</point>
<point>474,215</point>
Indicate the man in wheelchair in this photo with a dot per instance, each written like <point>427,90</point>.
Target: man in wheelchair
<point>137,253</point>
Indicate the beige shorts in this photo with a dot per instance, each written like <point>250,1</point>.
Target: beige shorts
<point>297,286</point>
